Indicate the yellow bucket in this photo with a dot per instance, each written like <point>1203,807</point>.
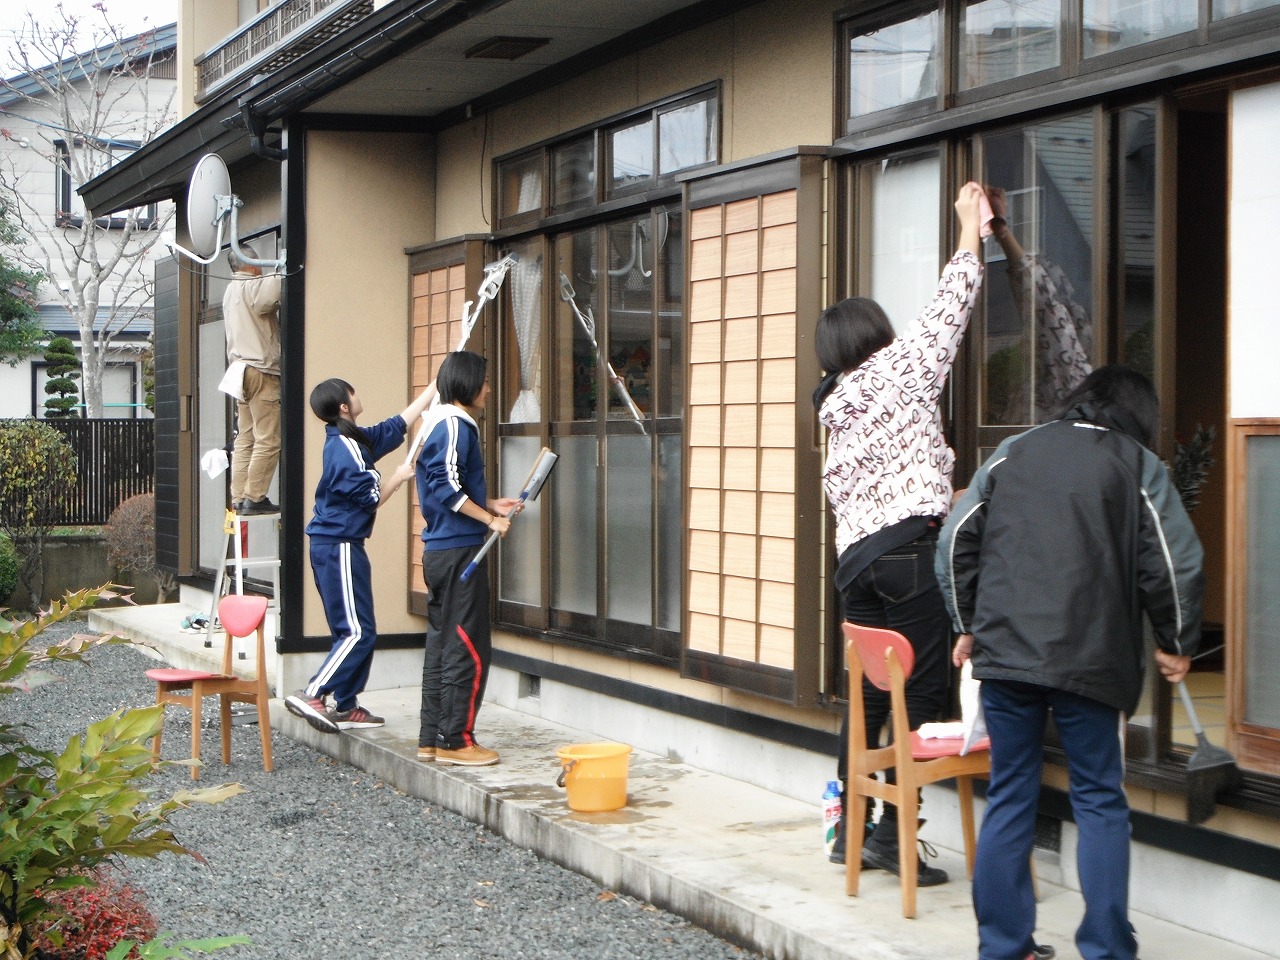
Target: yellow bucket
<point>595,775</point>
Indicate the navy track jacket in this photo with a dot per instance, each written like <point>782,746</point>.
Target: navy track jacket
<point>1066,535</point>
<point>350,489</point>
<point>449,472</point>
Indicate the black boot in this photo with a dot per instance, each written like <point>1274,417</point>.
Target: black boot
<point>881,852</point>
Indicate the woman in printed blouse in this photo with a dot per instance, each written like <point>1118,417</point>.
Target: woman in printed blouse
<point>888,480</point>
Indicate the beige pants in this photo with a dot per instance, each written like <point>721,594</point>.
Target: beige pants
<point>257,449</point>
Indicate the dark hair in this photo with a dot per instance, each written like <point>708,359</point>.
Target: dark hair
<point>461,377</point>
<point>849,332</point>
<point>1120,397</point>
<point>326,402</point>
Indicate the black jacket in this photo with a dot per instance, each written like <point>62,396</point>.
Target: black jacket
<point>1065,536</point>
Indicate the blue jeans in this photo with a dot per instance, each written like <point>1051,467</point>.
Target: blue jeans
<point>1003,896</point>
<point>900,591</point>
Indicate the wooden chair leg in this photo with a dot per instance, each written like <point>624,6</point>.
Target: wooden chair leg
<point>855,834</point>
<point>908,816</point>
<point>225,719</point>
<point>155,741</point>
<point>197,702</point>
<point>964,790</point>
<point>264,729</point>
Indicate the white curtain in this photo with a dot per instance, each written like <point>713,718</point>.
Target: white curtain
<point>526,314</point>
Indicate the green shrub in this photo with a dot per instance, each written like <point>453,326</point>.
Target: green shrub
<point>8,569</point>
<point>68,813</point>
<point>37,475</point>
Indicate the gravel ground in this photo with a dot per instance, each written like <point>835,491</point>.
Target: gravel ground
<point>319,858</point>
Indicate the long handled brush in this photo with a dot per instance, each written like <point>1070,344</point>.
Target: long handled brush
<point>1210,770</point>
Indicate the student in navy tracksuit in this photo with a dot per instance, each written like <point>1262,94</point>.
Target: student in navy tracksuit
<point>459,517</point>
<point>347,497</point>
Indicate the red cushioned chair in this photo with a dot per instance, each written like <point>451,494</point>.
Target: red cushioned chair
<point>887,659</point>
<point>240,615</point>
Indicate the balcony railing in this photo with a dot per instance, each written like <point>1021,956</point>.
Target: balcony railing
<point>275,38</point>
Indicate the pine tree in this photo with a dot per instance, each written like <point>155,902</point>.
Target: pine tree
<point>64,371</point>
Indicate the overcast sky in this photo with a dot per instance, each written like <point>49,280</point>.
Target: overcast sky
<point>130,16</point>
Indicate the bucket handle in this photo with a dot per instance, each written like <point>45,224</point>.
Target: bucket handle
<point>564,771</point>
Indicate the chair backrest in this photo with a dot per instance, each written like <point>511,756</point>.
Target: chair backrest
<point>240,613</point>
<point>872,645</point>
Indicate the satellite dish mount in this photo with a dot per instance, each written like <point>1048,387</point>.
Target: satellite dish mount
<point>210,205</point>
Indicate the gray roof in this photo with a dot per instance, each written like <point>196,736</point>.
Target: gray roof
<point>58,320</point>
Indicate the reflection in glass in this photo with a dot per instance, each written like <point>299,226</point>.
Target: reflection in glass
<point>1232,8</point>
<point>573,171</point>
<point>668,381</point>
<point>686,136</point>
<point>631,155</point>
<point>894,65</point>
<point>905,196</point>
<point>520,185</point>
<point>1003,39</point>
<point>1136,138</point>
<point>573,525</point>
<point>1038,329</point>
<point>670,583</point>
<point>520,552</point>
<point>576,368</point>
<point>1116,24</point>
<point>630,348</point>
<point>1262,568</point>
<point>524,353</point>
<point>629,527</point>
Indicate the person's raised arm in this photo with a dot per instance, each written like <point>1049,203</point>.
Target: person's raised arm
<point>413,411</point>
<point>968,210</point>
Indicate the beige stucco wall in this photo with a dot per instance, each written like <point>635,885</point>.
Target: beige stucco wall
<point>201,24</point>
<point>778,92</point>
<point>362,212</point>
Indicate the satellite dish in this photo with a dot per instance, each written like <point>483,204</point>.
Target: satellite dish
<point>210,203</point>
<point>208,197</point>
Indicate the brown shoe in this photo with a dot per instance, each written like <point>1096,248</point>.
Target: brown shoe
<point>472,756</point>
<point>426,754</point>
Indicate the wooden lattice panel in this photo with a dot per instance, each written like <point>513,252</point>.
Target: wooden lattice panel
<point>438,298</point>
<point>741,429</point>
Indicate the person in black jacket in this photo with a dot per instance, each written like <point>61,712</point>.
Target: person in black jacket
<point>1066,535</point>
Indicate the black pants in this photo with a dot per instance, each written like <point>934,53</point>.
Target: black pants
<point>899,591</point>
<point>458,648</point>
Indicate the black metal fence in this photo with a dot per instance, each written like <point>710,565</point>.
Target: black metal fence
<point>115,459</point>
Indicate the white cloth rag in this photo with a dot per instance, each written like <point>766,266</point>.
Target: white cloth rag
<point>214,463</point>
<point>950,730</point>
<point>233,380</point>
<point>975,724</point>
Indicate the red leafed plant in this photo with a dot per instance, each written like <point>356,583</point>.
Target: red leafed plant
<point>97,917</point>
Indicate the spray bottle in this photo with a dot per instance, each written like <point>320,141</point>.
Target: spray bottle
<point>831,809</point>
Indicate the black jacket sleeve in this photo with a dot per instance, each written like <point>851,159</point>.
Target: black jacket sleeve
<point>1170,562</point>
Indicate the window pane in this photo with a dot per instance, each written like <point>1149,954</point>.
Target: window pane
<point>520,552</point>
<point>1002,39</point>
<point>670,527</point>
<point>573,167</point>
<point>1262,568</point>
<point>629,513</point>
<point>1116,24</point>
<point>577,362</point>
<point>1231,8</point>
<point>893,65</point>
<point>905,198</point>
<point>524,350</point>
<point>686,136</point>
<point>573,525</point>
<point>1136,139</point>
<point>631,152</point>
<point>1038,329</point>
<point>668,386</point>
<point>631,245</point>
<point>520,186</point>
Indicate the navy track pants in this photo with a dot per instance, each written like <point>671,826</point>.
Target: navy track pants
<point>342,575</point>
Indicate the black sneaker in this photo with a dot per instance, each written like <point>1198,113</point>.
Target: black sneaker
<point>1042,951</point>
<point>357,718</point>
<point>249,508</point>
<point>312,710</point>
<point>880,852</point>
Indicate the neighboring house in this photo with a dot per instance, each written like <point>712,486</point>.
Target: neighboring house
<point>34,151</point>
<point>699,179</point>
